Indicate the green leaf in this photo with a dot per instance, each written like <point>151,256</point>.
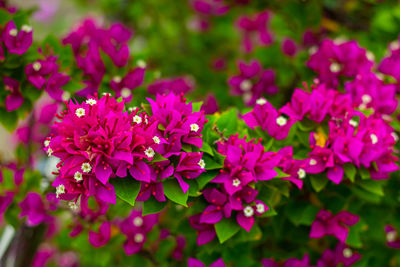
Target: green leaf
<point>372,186</point>
<point>152,206</point>
<point>227,122</point>
<point>254,234</point>
<point>8,119</point>
<point>350,171</point>
<point>205,178</point>
<point>318,182</point>
<point>4,16</point>
<point>364,173</point>
<point>158,158</point>
<point>207,148</point>
<point>211,164</point>
<point>126,189</point>
<point>353,239</point>
<point>193,188</point>
<point>197,106</point>
<point>173,191</point>
<point>187,148</point>
<point>225,229</point>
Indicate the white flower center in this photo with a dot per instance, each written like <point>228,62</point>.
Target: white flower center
<point>138,238</point>
<point>335,67</point>
<point>236,182</point>
<point>246,85</point>
<point>86,168</point>
<point>137,221</point>
<point>13,32</point>
<point>353,123</point>
<point>201,163</point>
<point>347,252</point>
<point>73,206</point>
<point>261,101</point>
<point>149,152</point>
<point>366,99</point>
<point>281,121</point>
<point>91,101</point>
<point>313,50</point>
<point>46,142</point>
<point>137,119</point>
<point>374,139</point>
<point>36,66</point>
<point>370,56</point>
<point>26,28</point>
<point>301,173</point>
<point>156,140</point>
<point>394,45</point>
<point>126,92</point>
<point>194,127</point>
<point>60,190</point>
<point>395,136</point>
<point>80,112</point>
<point>131,109</point>
<point>49,151</point>
<point>141,63</point>
<point>248,211</point>
<point>117,79</point>
<point>313,162</point>
<point>260,208</point>
<point>391,236</point>
<point>78,176</point>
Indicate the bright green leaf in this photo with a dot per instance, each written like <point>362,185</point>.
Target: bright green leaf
<point>226,228</point>
<point>173,191</point>
<point>126,189</point>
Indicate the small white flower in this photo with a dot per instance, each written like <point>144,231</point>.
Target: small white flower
<point>141,63</point>
<point>137,221</point>
<point>117,79</point>
<point>313,162</point>
<point>301,173</point>
<point>80,112</point>
<point>46,142</point>
<point>13,32</point>
<point>86,168</point>
<point>281,121</point>
<point>106,94</point>
<point>149,152</point>
<point>73,206</point>
<point>137,119</point>
<point>49,151</point>
<point>335,67</point>
<point>391,236</point>
<point>132,109</point>
<point>156,140</point>
<point>201,163</point>
<point>126,92</point>
<point>347,252</point>
<point>247,96</point>
<point>248,211</point>
<point>374,138</point>
<point>91,101</point>
<point>65,96</point>
<point>60,190</point>
<point>261,101</point>
<point>36,66</point>
<point>312,50</point>
<point>370,56</point>
<point>194,127</point>
<point>353,123</point>
<point>146,121</point>
<point>394,45</point>
<point>395,136</point>
<point>26,28</point>
<point>236,182</point>
<point>246,85</point>
<point>138,238</point>
<point>366,99</point>
<point>362,106</point>
<point>78,176</point>
<point>260,208</point>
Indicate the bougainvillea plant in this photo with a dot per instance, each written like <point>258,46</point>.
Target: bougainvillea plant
<point>200,133</point>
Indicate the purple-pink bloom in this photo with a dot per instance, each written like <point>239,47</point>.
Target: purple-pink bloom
<point>192,262</point>
<point>289,47</point>
<point>205,232</point>
<point>189,167</point>
<point>123,87</point>
<point>38,71</point>
<point>14,99</point>
<point>176,85</point>
<point>100,238</point>
<point>219,206</point>
<point>337,225</point>
<point>254,30</point>
<point>392,237</point>
<point>33,208</point>
<point>252,82</point>
<point>17,42</point>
